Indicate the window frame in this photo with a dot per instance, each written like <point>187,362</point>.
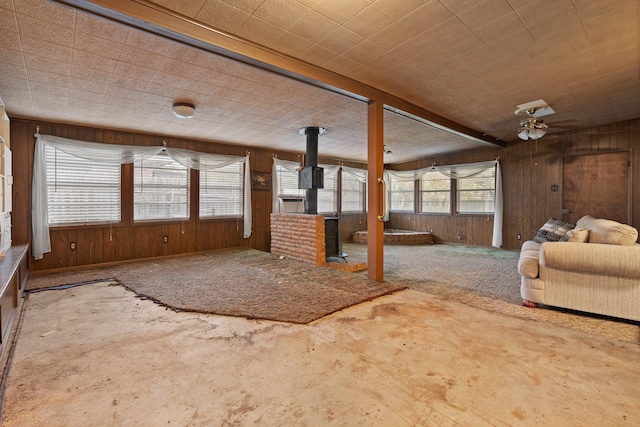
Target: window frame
<point>79,163</point>
<point>333,190</point>
<point>240,195</point>
<point>362,191</point>
<point>413,200</point>
<point>449,191</point>
<point>187,188</point>
<point>457,192</point>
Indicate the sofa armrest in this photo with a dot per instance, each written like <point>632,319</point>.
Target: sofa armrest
<point>610,260</point>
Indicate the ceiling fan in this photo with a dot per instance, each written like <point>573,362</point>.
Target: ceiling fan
<point>533,127</point>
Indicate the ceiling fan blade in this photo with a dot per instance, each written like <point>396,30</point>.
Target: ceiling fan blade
<point>564,124</point>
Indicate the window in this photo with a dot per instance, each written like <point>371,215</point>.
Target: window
<point>288,183</point>
<point>402,195</point>
<point>327,196</point>
<point>435,193</point>
<point>352,194</point>
<point>80,191</point>
<point>221,191</point>
<point>161,189</point>
<point>477,194</point>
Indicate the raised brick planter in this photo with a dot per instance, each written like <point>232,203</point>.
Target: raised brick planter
<point>398,237</point>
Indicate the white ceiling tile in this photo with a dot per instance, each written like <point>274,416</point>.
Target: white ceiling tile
<point>222,15</point>
<point>339,38</point>
<point>341,11</point>
<point>45,11</point>
<point>259,31</point>
<point>45,30</point>
<point>473,68</point>
<point>484,12</point>
<point>248,6</point>
<point>291,44</point>
<point>188,8</point>
<point>313,26</point>
<point>369,21</point>
<point>281,13</point>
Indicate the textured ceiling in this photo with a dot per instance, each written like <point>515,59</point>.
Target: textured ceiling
<point>471,62</point>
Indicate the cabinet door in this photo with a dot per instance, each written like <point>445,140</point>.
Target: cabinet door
<point>8,180</point>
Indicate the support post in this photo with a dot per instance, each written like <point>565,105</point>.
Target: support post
<point>375,196</point>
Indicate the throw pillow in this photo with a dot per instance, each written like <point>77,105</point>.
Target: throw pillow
<point>585,222</point>
<point>552,231</point>
<point>576,235</point>
<point>612,233</point>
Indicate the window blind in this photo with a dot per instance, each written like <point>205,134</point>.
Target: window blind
<point>161,189</point>
<point>435,191</point>
<point>477,194</point>
<point>402,195</point>
<point>221,191</point>
<point>80,191</point>
<point>352,194</point>
<point>327,196</point>
<point>288,183</point>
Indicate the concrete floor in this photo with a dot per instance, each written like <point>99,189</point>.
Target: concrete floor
<point>95,356</point>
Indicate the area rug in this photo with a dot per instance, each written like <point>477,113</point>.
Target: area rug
<point>241,282</point>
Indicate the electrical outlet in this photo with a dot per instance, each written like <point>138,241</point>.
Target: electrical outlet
<point>431,230</point>
<point>519,236</point>
<point>72,246</point>
<point>459,236</point>
<point>165,239</point>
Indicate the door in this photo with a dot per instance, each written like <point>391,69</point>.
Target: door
<point>596,185</point>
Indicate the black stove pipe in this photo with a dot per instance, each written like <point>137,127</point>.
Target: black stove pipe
<point>311,159</point>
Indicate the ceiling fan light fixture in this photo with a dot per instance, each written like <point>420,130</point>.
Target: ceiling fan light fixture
<point>184,110</point>
<point>532,129</point>
<point>535,133</point>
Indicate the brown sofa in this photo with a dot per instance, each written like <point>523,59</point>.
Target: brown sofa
<point>596,269</point>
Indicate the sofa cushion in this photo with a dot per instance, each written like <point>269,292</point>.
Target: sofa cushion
<point>528,262</point>
<point>577,235</point>
<point>552,231</point>
<point>612,233</point>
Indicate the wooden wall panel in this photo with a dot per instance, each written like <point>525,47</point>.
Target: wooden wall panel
<point>528,172</point>
<point>529,201</point>
<point>126,240</point>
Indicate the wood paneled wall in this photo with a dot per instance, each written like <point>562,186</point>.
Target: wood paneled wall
<point>529,170</point>
<point>128,240</point>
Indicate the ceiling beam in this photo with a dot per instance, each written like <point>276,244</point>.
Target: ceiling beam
<point>151,17</point>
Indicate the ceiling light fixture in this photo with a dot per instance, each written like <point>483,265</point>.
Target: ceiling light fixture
<point>184,110</point>
<point>532,129</point>
<point>536,109</point>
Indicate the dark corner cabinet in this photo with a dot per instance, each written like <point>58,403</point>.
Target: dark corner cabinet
<point>13,279</point>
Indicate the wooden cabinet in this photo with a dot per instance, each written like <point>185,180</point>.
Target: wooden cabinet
<point>13,279</point>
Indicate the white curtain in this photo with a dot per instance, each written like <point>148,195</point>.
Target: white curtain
<point>454,172</point>
<point>116,154</point>
<point>289,166</point>
<point>359,174</point>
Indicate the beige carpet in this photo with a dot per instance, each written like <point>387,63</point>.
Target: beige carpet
<point>240,282</point>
